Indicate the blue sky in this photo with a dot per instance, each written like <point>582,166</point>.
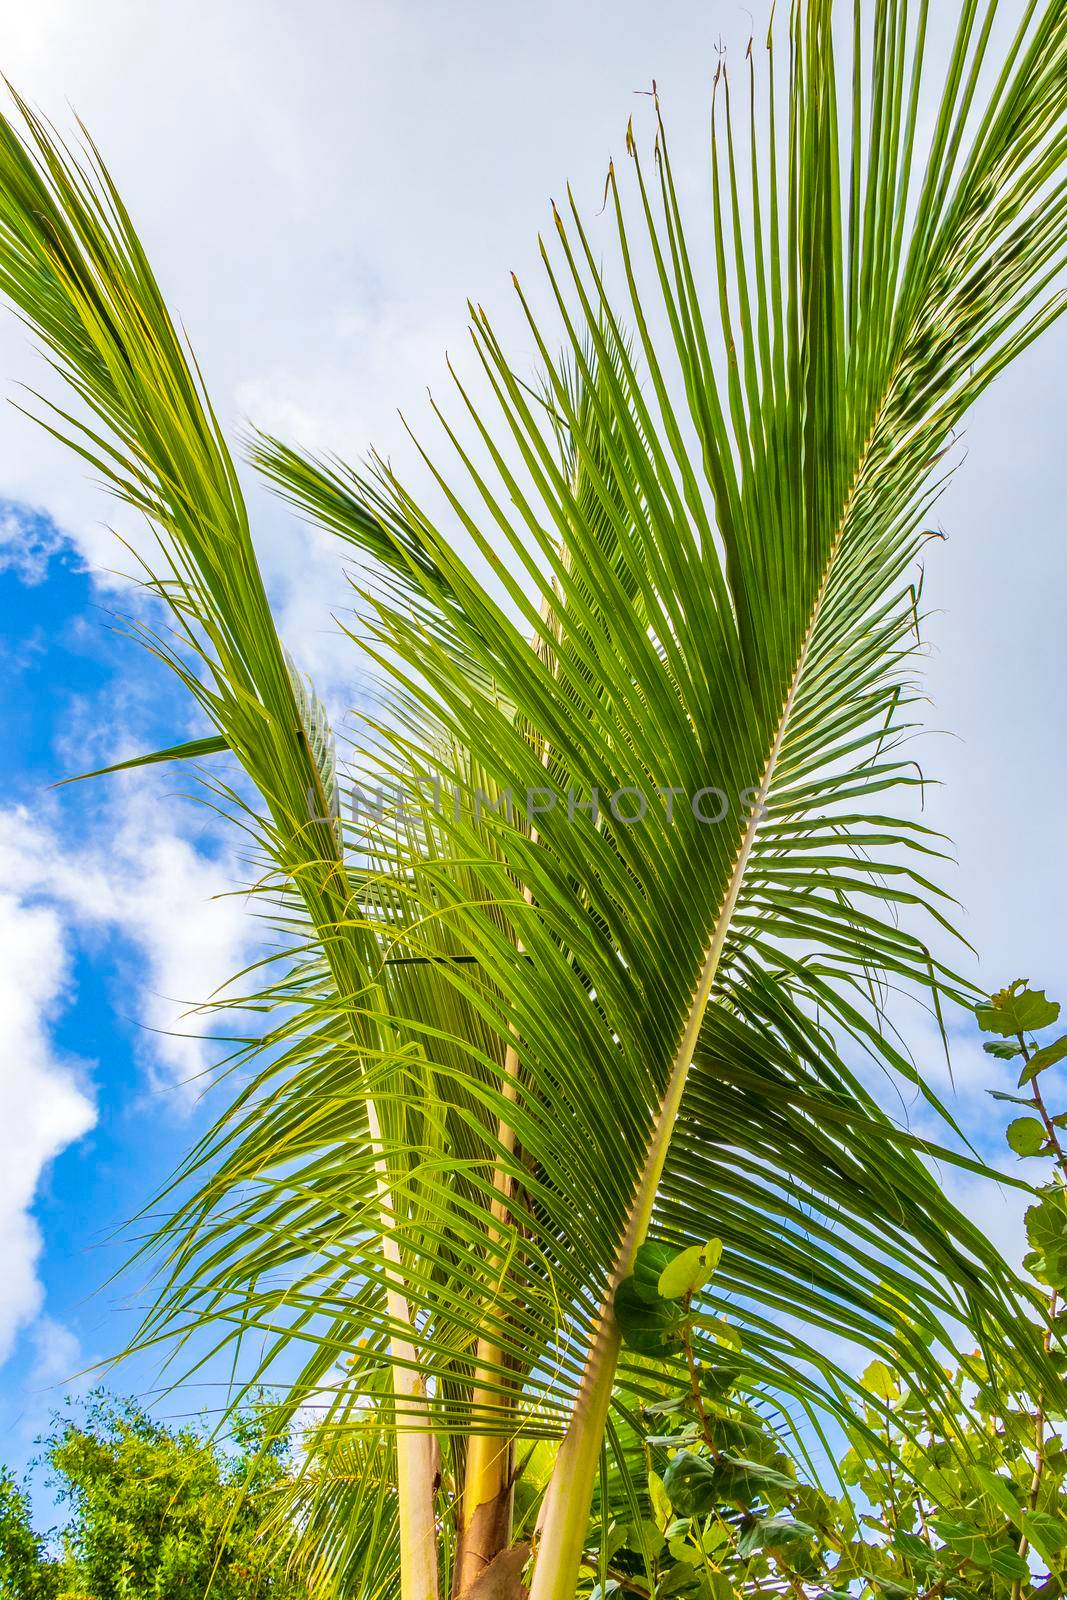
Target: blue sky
<point>90,885</point>
<point>319,199</point>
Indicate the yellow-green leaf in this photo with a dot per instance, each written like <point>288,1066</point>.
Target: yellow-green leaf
<point>690,1270</point>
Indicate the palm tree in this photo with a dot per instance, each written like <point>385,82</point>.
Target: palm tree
<point>505,1051</point>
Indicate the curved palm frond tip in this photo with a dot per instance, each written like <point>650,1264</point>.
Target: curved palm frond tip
<point>449,1165</point>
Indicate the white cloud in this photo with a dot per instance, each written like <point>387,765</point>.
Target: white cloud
<point>170,899</point>
<point>143,880</point>
<point>140,877</point>
<point>28,540</point>
<point>57,1355</point>
<point>44,1105</point>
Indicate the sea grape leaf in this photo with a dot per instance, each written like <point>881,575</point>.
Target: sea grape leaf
<point>774,1533</point>
<point>1046,1231</point>
<point>1026,1136</point>
<point>1016,1010</point>
<point>689,1481</point>
<point>649,1327</point>
<point>1047,1056</point>
<point>690,1270</point>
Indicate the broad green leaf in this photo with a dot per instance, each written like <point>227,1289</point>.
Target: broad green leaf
<point>715,1536</point>
<point>1006,1562</point>
<point>921,1554</point>
<point>1026,1136</point>
<point>721,1330</point>
<point>878,1380</point>
<point>650,1263</point>
<point>743,1482</point>
<point>1047,1534</point>
<point>615,1539</point>
<point>676,1580</point>
<point>661,1504</point>
<point>690,1484</point>
<point>1016,1010</point>
<point>690,1270</point>
<point>774,1533</point>
<point>683,1550</point>
<point>1046,1231</point>
<point>650,1324</point>
<point>644,1537</point>
<point>1047,1056</point>
<point>696,1484</point>
<point>1003,1049</point>
<point>1001,1493</point>
<point>719,1586</point>
<point>650,1327</point>
<point>974,1545</point>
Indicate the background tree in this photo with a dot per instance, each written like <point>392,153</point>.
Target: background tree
<point>27,1572</point>
<point>152,1512</point>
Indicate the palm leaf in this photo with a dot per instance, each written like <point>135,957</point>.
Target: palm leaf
<point>74,267</point>
<point>772,653</point>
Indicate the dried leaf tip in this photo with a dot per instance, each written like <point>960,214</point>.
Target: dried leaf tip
<point>631,148</point>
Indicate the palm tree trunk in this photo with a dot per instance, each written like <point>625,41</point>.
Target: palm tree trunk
<point>488,1486</point>
<point>416,1451</point>
<point>485,1512</point>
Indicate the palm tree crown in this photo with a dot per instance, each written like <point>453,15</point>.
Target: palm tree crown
<point>510,1048</point>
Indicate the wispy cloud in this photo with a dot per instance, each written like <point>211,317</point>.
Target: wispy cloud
<point>45,1102</point>
<point>29,538</point>
<point>139,884</point>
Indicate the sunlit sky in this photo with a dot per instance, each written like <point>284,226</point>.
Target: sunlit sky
<point>320,189</point>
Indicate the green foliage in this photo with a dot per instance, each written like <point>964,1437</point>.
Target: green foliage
<point>1026,1136</point>
<point>154,1513</point>
<point>650,1320</point>
<point>1047,1056</point>
<point>704,1498</point>
<point>944,1501</point>
<point>1046,1231</point>
<point>690,1271</point>
<point>950,1496</point>
<point>26,1573</point>
<point>1017,1009</point>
